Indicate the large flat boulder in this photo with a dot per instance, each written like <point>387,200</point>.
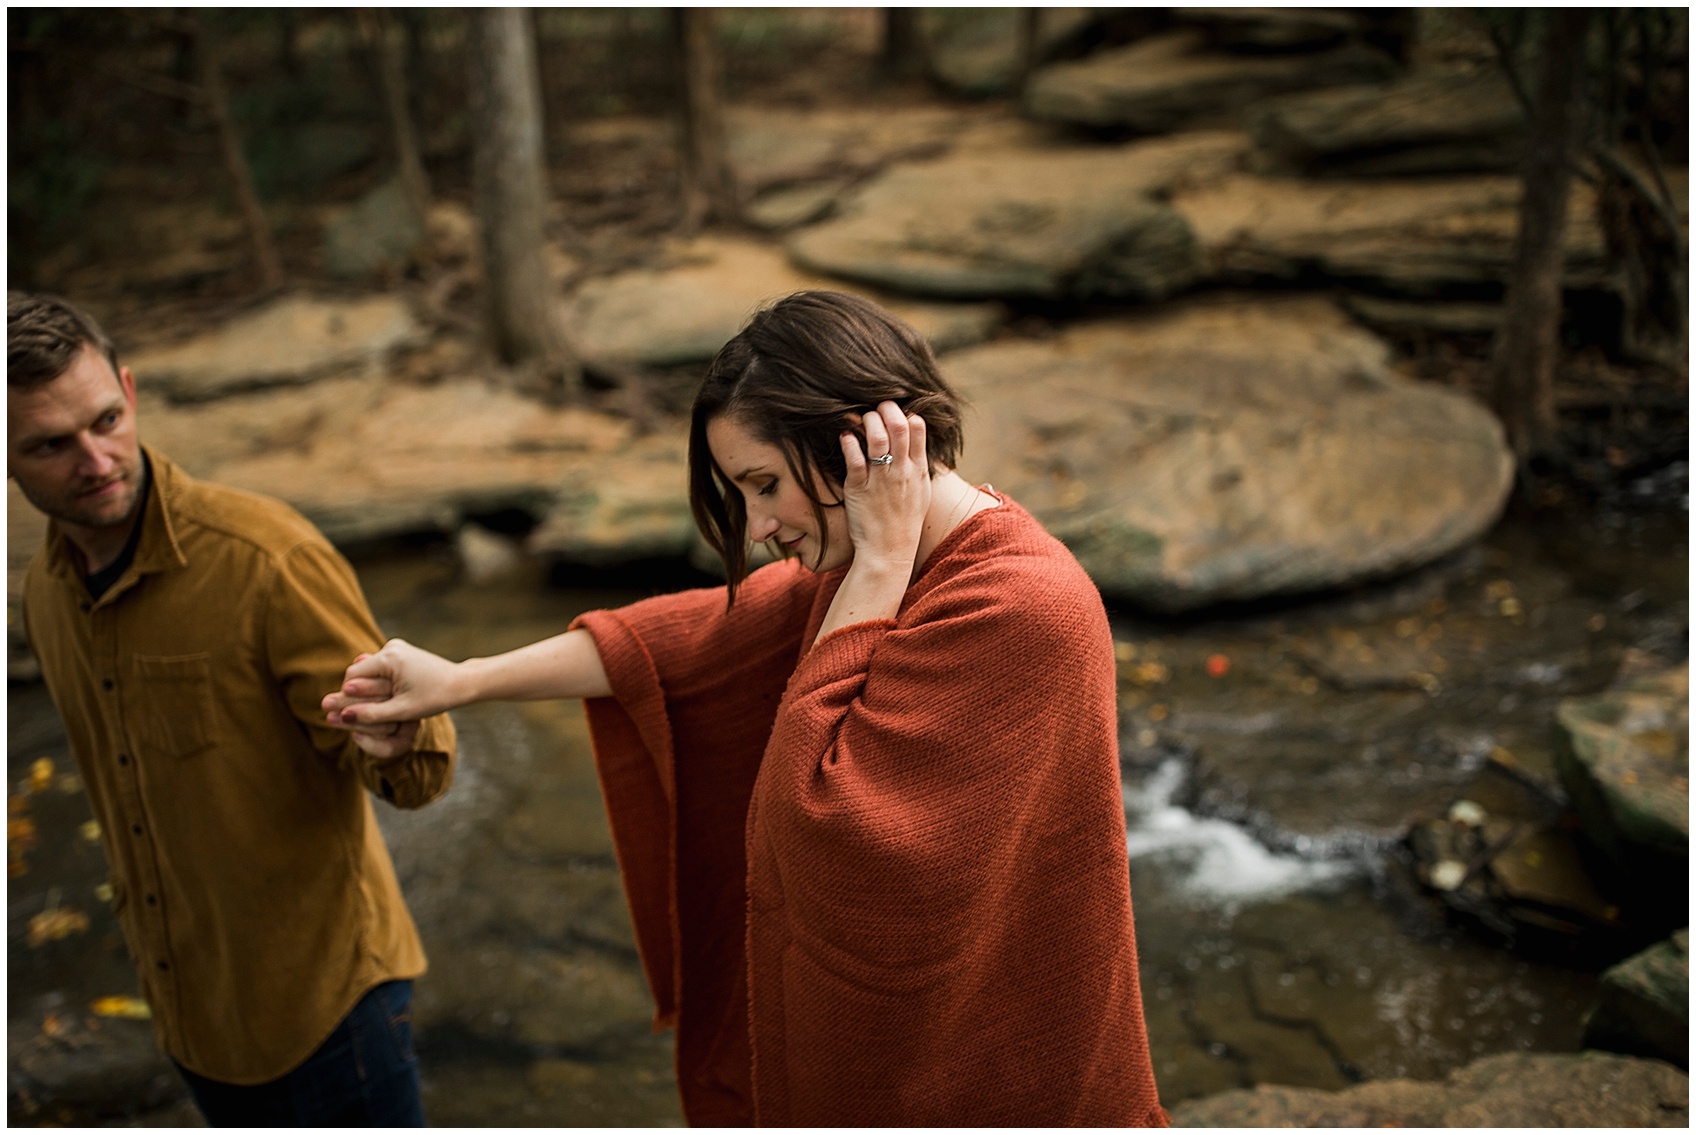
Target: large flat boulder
<point>1052,223</point>
<point>772,145</point>
<point>1418,236</point>
<point>1439,121</point>
<point>1230,450</point>
<point>290,340</point>
<point>1273,29</point>
<point>977,51</point>
<point>1173,81</point>
<point>1626,767</point>
<point>1530,1089</point>
<point>686,310</point>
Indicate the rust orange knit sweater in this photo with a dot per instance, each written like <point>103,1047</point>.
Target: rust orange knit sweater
<point>882,880</point>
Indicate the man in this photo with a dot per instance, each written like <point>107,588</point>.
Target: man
<point>187,632</point>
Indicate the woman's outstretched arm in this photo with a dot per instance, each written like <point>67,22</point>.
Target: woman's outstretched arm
<point>404,683</point>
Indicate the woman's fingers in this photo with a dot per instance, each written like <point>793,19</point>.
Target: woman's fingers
<point>916,441</point>
<point>376,688</point>
<point>852,457</point>
<point>877,437</point>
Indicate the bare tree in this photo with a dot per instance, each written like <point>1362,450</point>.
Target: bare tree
<point>709,187</point>
<point>378,32</point>
<point>903,53</point>
<point>1522,379</point>
<point>510,191</point>
<point>213,97</point>
<point>1030,43</point>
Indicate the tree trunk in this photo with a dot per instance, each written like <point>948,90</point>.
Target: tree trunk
<point>375,24</point>
<point>1030,35</point>
<point>1523,368</point>
<point>235,160</point>
<point>709,189</point>
<point>508,183</point>
<point>902,54</point>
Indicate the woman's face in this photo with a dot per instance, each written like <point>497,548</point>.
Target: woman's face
<point>778,509</point>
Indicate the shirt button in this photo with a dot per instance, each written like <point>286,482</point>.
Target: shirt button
<point>123,759</point>
<point>86,607</point>
<point>164,965</point>
<point>106,684</point>
<point>152,901</point>
<point>136,828</point>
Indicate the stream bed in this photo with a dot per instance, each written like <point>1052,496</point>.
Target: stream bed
<point>1272,757</point>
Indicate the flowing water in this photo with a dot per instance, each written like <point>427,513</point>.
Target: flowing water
<point>1282,938</point>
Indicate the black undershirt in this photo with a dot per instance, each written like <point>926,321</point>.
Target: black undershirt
<point>101,581</point>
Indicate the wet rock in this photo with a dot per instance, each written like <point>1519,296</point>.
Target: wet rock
<point>1414,236</point>
<point>635,507</point>
<point>1349,662</point>
<point>1626,766</point>
<point>792,205</point>
<point>382,234</point>
<point>1447,317</point>
<point>771,146</point>
<point>1226,451</point>
<point>1172,81</point>
<point>85,1070</point>
<point>1645,1005</point>
<point>515,890</point>
<point>1511,874</point>
<point>1510,1090</point>
<point>1434,122</point>
<point>487,556</point>
<point>977,51</point>
<point>291,340</point>
<point>686,311</point>
<point>1272,29</point>
<point>1053,223</point>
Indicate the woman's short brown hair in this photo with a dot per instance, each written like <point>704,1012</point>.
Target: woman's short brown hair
<point>802,371</point>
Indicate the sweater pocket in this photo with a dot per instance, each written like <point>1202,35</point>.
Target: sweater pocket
<point>172,713</point>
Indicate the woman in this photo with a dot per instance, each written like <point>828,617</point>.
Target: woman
<point>866,799</point>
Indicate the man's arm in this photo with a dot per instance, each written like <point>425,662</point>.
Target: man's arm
<point>317,622</point>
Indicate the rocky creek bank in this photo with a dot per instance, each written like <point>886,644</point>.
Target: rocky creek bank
<point>1395,770</point>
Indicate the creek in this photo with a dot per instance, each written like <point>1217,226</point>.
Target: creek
<point>1269,771</point>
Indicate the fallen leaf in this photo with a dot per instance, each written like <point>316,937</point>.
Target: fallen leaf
<point>54,924</point>
<point>17,805</point>
<point>1218,665</point>
<point>90,830</point>
<point>54,1025</point>
<point>103,892</point>
<point>128,1008</point>
<point>41,774</point>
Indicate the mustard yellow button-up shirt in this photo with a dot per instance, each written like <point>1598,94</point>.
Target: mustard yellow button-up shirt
<point>248,873</point>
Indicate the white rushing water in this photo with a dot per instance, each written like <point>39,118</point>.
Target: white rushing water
<point>1210,859</point>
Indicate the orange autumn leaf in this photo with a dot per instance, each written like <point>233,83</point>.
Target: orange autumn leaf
<point>128,1008</point>
<point>52,925</point>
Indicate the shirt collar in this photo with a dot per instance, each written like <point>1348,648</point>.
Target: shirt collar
<point>158,549</point>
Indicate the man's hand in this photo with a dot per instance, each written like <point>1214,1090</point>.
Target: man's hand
<point>381,739</point>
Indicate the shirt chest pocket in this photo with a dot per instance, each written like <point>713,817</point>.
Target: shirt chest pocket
<point>172,713</point>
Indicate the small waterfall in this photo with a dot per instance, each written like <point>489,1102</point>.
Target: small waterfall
<point>1208,859</point>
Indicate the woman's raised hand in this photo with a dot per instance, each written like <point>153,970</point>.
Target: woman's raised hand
<point>399,684</point>
<point>887,500</point>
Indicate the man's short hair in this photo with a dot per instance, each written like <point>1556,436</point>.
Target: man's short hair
<point>44,334</point>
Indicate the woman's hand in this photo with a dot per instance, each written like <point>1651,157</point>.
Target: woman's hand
<point>400,684</point>
<point>886,501</point>
<point>886,504</point>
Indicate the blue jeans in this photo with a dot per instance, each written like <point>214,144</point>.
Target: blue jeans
<point>364,1075</point>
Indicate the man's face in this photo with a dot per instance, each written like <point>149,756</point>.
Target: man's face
<point>71,444</point>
